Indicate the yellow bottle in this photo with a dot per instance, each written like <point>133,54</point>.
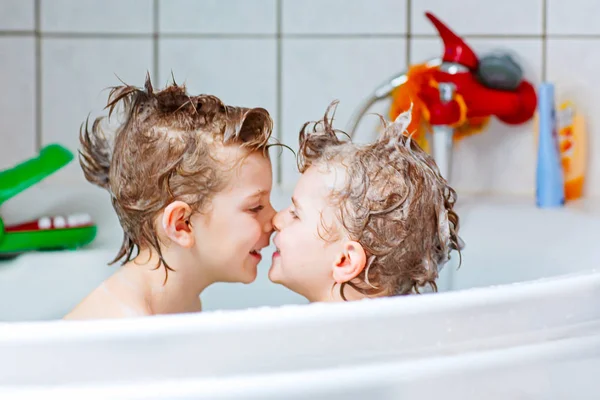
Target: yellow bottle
<point>573,144</point>
<point>572,137</point>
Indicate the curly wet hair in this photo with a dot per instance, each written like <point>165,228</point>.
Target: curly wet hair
<point>163,151</point>
<point>394,202</point>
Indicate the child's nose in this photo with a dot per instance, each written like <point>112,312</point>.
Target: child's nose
<point>270,214</point>
<point>278,221</point>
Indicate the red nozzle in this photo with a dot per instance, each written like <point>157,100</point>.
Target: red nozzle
<point>455,49</point>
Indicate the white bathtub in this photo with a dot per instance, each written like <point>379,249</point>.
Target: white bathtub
<point>534,329</point>
<point>462,343</point>
<point>558,370</point>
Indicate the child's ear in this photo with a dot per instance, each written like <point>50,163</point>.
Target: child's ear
<point>176,223</point>
<point>349,263</point>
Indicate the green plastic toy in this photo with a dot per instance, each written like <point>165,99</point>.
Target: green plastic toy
<point>46,233</point>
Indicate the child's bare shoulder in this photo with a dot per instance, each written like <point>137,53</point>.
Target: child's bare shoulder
<point>105,303</point>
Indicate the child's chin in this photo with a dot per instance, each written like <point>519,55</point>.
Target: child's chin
<point>275,273</point>
<point>245,275</point>
<point>250,276</point>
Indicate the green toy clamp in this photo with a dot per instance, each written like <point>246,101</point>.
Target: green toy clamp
<point>46,233</point>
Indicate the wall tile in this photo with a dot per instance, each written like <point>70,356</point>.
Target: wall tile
<point>17,15</point>
<point>318,71</point>
<point>104,16</point>
<point>75,76</point>
<point>17,103</point>
<point>344,17</point>
<point>218,16</point>
<point>573,17</point>
<point>240,72</point>
<point>468,17</point>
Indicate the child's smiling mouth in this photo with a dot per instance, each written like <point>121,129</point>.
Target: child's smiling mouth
<point>256,254</point>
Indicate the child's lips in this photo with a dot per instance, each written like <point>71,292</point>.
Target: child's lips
<point>256,254</point>
<point>277,252</point>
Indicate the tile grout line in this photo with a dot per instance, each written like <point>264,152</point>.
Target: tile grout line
<point>18,33</point>
<point>155,42</point>
<point>408,31</point>
<point>326,36</point>
<point>97,35</point>
<point>278,88</point>
<point>544,39</point>
<point>38,76</point>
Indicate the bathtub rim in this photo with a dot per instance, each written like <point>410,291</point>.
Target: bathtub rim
<point>89,330</point>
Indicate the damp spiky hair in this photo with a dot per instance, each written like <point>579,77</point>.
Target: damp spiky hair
<point>394,202</point>
<point>162,152</point>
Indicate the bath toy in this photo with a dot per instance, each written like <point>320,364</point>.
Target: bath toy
<point>454,96</point>
<point>46,233</point>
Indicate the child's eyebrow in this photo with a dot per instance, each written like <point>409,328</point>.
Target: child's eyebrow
<point>258,193</point>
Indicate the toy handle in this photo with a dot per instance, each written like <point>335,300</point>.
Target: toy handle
<point>26,174</point>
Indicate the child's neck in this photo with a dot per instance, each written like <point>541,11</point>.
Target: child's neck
<point>181,291</point>
<point>334,295</point>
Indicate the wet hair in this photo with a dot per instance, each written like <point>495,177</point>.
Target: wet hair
<point>164,150</point>
<point>393,201</point>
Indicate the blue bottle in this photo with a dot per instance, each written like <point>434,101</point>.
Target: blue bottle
<point>550,188</point>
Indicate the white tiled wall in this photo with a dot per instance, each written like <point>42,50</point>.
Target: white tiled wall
<point>17,99</point>
<point>342,17</point>
<point>17,15</point>
<point>246,72</point>
<point>95,16</point>
<point>341,75</point>
<point>241,17</point>
<point>290,56</point>
<point>75,74</point>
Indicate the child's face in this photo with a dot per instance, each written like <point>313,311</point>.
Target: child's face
<point>231,234</point>
<point>304,260</point>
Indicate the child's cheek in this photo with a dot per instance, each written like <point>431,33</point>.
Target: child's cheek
<point>285,241</point>
<point>294,240</point>
<point>258,230</point>
<point>252,229</point>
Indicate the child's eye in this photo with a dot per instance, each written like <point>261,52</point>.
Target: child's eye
<point>257,209</point>
<point>293,214</point>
